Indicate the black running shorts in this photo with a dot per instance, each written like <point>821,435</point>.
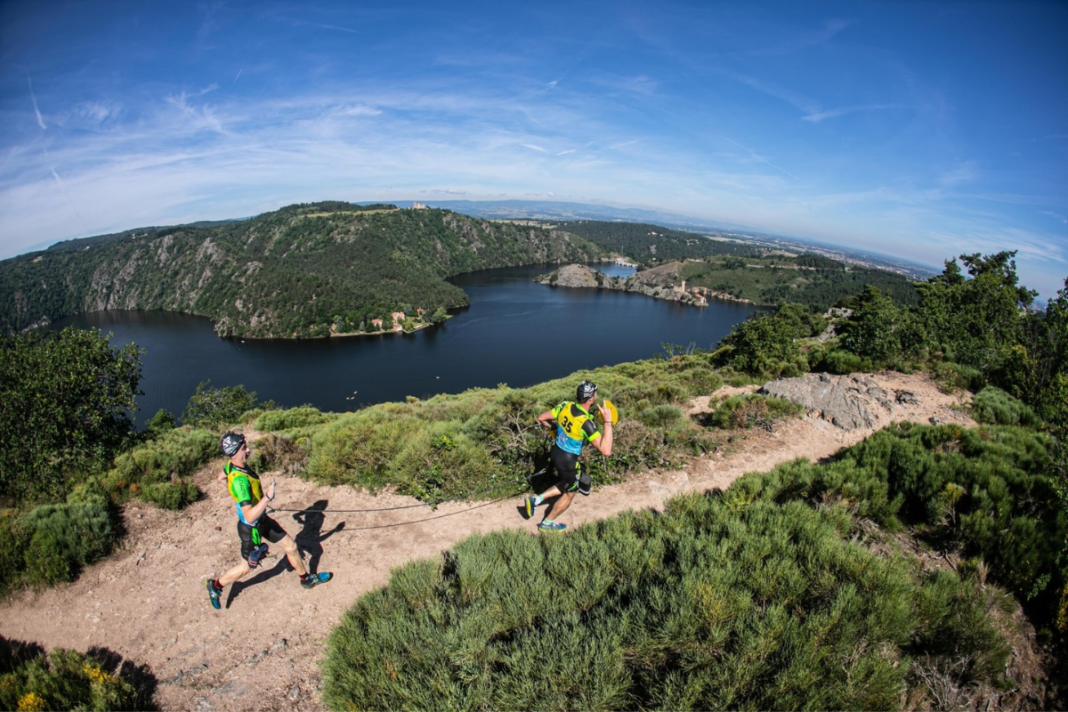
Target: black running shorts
<point>266,529</point>
<point>567,467</point>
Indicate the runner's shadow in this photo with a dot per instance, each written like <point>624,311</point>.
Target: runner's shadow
<point>280,565</point>
<point>309,539</point>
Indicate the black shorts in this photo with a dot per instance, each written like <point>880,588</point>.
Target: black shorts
<point>251,536</point>
<point>567,468</point>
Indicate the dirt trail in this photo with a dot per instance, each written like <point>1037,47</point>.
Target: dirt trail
<point>147,601</point>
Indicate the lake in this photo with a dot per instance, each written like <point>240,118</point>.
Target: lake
<point>515,332</point>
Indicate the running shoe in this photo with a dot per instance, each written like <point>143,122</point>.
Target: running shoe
<point>552,526</point>
<point>214,595</point>
<point>314,580</point>
<point>530,504</point>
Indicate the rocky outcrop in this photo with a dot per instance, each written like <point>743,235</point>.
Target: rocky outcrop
<point>659,282</point>
<point>846,401</point>
<point>575,276</point>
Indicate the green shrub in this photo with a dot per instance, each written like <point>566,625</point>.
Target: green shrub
<point>990,491</point>
<point>751,410</point>
<point>63,680</point>
<point>161,422</point>
<point>158,470</point>
<point>954,376</point>
<point>703,607</point>
<point>170,495</point>
<point>660,416</point>
<point>53,542</point>
<point>13,544</point>
<point>214,408</point>
<point>995,406</point>
<point>839,361</point>
<point>302,417</point>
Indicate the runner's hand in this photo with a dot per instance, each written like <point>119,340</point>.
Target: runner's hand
<point>270,489</point>
<point>606,415</point>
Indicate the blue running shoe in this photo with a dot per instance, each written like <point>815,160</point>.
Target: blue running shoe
<point>214,594</point>
<point>313,580</point>
<point>552,526</point>
<point>530,504</point>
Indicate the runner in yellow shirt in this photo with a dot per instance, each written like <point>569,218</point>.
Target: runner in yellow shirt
<point>574,428</point>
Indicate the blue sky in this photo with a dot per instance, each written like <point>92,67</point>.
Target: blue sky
<point>919,129</point>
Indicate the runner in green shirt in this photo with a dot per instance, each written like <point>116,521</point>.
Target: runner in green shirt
<point>253,524</point>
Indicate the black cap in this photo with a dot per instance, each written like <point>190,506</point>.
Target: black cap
<point>585,391</point>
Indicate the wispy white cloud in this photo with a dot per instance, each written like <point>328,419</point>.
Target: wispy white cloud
<point>36,111</point>
<point>805,40</point>
<point>200,118</point>
<point>818,116</point>
<point>964,173</point>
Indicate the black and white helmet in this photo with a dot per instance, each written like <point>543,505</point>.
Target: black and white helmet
<point>232,442</point>
<point>585,391</point>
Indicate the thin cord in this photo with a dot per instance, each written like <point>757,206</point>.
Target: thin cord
<point>391,509</point>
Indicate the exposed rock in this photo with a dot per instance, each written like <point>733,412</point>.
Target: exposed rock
<point>573,276</point>
<point>661,282</point>
<point>843,400</point>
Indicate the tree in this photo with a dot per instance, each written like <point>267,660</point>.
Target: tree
<point>879,329</point>
<point>762,344</point>
<point>975,321</point>
<point>214,407</point>
<point>67,404</point>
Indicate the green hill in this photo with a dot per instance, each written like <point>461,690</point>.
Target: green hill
<point>302,271</point>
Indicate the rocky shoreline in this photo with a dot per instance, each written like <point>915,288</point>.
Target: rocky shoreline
<point>659,282</point>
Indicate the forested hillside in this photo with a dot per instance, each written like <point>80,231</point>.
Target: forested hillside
<point>815,281</point>
<point>302,271</point>
<point>651,244</point>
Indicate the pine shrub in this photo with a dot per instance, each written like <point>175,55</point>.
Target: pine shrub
<point>995,406</point>
<point>991,491</point>
<point>752,410</point>
<point>708,606</point>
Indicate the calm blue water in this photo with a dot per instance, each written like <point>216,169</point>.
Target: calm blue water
<point>515,332</point>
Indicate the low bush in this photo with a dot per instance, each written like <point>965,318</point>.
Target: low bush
<point>158,471</point>
<point>51,543</point>
<point>30,679</point>
<point>995,406</point>
<point>660,416</point>
<point>989,491</point>
<point>707,606</point>
<point>954,376</point>
<point>751,410</point>
<point>839,362</point>
<point>302,417</point>
<point>279,451</point>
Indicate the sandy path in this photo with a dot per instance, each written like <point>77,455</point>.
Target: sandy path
<point>147,602</point>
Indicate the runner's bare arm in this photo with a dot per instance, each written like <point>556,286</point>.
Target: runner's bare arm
<point>253,512</point>
<point>604,443</point>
